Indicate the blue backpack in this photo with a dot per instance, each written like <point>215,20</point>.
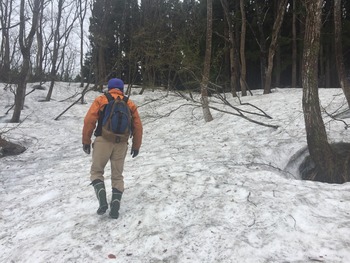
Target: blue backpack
<point>116,123</point>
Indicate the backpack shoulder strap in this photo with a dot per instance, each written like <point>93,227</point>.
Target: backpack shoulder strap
<point>109,96</point>
<point>125,98</point>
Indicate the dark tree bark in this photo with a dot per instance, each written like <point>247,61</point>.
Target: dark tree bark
<point>56,46</point>
<point>243,74</point>
<point>294,48</point>
<point>207,60</point>
<point>25,45</point>
<point>82,7</point>
<point>5,20</point>
<point>120,50</point>
<point>38,71</point>
<point>260,15</point>
<point>272,49</point>
<point>344,84</point>
<point>102,33</point>
<point>329,165</point>
<point>232,47</point>
<point>60,40</point>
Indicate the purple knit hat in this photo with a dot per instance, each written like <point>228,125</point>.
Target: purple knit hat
<point>116,84</point>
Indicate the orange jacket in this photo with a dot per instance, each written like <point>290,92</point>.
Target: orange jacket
<point>96,108</point>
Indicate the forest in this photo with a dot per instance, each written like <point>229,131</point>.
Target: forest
<point>199,46</point>
<point>163,42</point>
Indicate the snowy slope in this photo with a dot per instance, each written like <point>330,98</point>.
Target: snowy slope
<point>198,192</point>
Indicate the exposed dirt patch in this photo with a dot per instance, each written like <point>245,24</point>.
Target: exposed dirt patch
<point>9,148</point>
<point>309,171</point>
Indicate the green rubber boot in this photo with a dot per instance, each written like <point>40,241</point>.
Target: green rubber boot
<point>115,203</point>
<point>100,191</point>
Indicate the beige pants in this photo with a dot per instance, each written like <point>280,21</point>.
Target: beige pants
<point>104,151</point>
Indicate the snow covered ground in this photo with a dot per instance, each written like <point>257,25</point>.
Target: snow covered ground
<point>223,191</point>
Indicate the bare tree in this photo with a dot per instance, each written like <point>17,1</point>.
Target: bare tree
<point>58,37</point>
<point>260,17</point>
<point>272,49</point>
<point>233,69</point>
<point>44,38</point>
<point>56,45</point>
<point>5,20</point>
<point>25,46</point>
<point>207,60</point>
<point>38,71</point>
<point>243,75</point>
<point>344,84</point>
<point>294,47</point>
<point>82,8</point>
<point>330,166</point>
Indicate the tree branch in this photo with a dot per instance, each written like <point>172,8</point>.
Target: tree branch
<point>240,111</point>
<point>7,112</point>
<point>75,102</point>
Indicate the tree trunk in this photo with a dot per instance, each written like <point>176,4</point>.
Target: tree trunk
<point>233,68</point>
<point>272,49</point>
<point>102,72</point>
<point>262,40</point>
<point>328,68</point>
<point>25,45</point>
<point>243,75</point>
<point>121,41</point>
<point>40,46</point>
<point>100,25</point>
<point>294,48</point>
<point>82,12</point>
<point>207,60</point>
<point>56,46</point>
<point>316,133</point>
<point>277,68</point>
<point>344,84</point>
<point>5,19</point>
<point>329,165</point>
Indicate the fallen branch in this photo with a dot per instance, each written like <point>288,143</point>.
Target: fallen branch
<point>246,118</point>
<point>240,112</point>
<point>226,102</point>
<point>71,97</point>
<point>151,101</point>
<point>249,199</point>
<point>336,119</point>
<point>75,102</point>
<point>253,223</point>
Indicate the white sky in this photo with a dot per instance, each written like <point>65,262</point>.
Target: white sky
<point>198,192</point>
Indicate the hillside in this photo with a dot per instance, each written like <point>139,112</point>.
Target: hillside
<point>224,191</point>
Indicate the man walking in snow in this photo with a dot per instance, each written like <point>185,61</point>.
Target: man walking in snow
<point>104,150</point>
